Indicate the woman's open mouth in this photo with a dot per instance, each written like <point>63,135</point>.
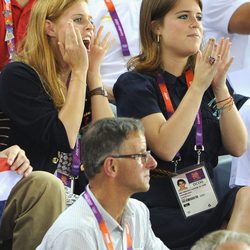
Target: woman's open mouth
<point>87,44</point>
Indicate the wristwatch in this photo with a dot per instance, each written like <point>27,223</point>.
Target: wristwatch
<point>99,91</point>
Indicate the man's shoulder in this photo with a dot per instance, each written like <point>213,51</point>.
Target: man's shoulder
<point>77,216</point>
<point>76,222</point>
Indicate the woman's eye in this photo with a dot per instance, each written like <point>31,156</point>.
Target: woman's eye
<point>183,17</point>
<point>78,20</point>
<point>199,18</point>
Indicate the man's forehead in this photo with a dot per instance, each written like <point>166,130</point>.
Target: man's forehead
<point>135,139</point>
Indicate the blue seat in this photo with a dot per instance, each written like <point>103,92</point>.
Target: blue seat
<point>222,175</point>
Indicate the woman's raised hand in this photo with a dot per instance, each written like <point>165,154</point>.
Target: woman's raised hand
<point>73,50</point>
<point>98,49</point>
<point>224,62</point>
<point>206,65</point>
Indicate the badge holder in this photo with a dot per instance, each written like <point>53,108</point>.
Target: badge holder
<point>67,180</point>
<point>194,190</point>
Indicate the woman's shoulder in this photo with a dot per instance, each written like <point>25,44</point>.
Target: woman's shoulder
<point>135,75</point>
<point>19,70</point>
<point>17,66</point>
<point>134,80</point>
<point>19,77</point>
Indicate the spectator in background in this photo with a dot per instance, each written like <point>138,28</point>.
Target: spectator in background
<point>32,206</point>
<point>104,217</point>
<point>170,87</point>
<point>16,13</point>
<point>223,240</point>
<point>115,60</point>
<point>230,18</point>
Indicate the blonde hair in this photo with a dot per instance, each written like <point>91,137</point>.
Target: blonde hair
<point>149,60</point>
<point>36,50</point>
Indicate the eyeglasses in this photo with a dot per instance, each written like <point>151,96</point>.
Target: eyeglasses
<point>143,156</point>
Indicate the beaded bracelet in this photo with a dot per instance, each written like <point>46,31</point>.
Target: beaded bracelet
<point>216,111</point>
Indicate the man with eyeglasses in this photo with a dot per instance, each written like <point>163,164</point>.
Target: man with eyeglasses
<point>105,217</point>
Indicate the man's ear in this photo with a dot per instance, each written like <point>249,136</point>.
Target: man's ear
<point>110,167</point>
<point>50,28</point>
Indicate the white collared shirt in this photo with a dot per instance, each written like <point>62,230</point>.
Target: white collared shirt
<point>77,228</point>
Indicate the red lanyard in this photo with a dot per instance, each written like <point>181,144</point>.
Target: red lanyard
<point>170,110</point>
<point>102,225</point>
<point>118,26</point>
<point>165,93</point>
<point>9,37</point>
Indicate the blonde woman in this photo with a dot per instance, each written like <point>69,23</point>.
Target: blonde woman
<point>55,87</point>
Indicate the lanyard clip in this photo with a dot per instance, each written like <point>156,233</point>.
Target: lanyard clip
<point>176,162</point>
<point>199,149</point>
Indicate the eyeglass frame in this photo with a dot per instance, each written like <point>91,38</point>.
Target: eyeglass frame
<point>142,156</point>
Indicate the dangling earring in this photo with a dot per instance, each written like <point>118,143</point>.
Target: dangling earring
<point>158,38</point>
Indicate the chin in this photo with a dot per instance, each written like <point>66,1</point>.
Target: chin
<point>145,188</point>
<point>190,53</point>
<point>142,189</point>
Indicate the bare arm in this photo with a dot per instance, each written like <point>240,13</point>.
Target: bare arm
<point>166,137</point>
<point>72,110</point>
<point>100,107</point>
<point>240,21</point>
<point>233,130</point>
<point>86,67</point>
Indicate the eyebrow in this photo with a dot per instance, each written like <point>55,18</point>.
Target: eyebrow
<point>86,14</point>
<point>186,11</point>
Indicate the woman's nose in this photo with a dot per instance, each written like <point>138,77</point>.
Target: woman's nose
<point>90,25</point>
<point>194,22</point>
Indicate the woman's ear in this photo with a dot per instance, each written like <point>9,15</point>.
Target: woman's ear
<point>155,27</point>
<point>50,28</point>
<point>110,167</point>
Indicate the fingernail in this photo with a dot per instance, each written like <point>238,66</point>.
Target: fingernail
<point>10,161</point>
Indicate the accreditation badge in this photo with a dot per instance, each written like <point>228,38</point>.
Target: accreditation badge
<point>67,180</point>
<point>194,190</point>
